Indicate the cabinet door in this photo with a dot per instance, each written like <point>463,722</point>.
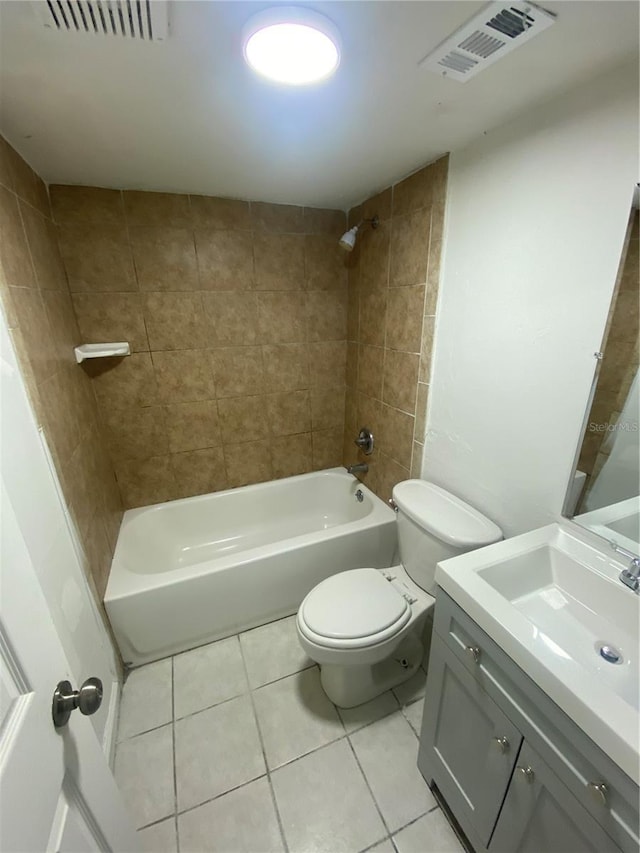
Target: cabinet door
<point>468,747</point>
<point>541,814</point>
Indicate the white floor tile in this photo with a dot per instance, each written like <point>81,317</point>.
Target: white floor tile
<point>413,713</point>
<point>216,750</point>
<point>295,717</point>
<point>207,676</point>
<point>412,689</point>
<point>430,834</point>
<point>324,803</point>
<point>242,821</point>
<point>144,773</point>
<point>146,699</point>
<point>362,715</point>
<point>159,838</point>
<point>273,651</point>
<point>387,752</point>
<point>384,847</point>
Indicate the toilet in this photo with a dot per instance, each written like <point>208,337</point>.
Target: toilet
<point>364,626</point>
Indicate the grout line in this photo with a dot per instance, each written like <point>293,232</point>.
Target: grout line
<point>173,737</point>
<point>366,781</point>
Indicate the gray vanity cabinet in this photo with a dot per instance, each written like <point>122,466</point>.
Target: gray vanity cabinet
<point>539,814</point>
<point>473,744</point>
<point>516,772</point>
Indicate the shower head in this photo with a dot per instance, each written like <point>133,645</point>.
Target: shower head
<point>348,239</point>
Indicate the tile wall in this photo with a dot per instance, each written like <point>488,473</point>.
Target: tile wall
<point>393,289</point>
<point>620,363</point>
<point>38,309</point>
<point>236,313</point>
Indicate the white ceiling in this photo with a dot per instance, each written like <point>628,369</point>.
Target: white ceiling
<point>187,115</point>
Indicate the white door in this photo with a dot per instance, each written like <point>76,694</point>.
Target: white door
<point>57,792</point>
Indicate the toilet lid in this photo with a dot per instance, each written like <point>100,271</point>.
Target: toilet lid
<point>354,606</point>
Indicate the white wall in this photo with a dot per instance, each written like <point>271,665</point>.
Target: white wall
<point>35,495</point>
<point>537,212</point>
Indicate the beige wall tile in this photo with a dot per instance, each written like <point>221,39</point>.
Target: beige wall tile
<point>389,474</point>
<point>248,463</point>
<point>369,416</point>
<point>226,213</point>
<point>327,363</point>
<point>238,371</point>
<point>157,210</point>
<point>325,263</point>
<point>184,376</point>
<point>396,434</point>
<point>15,260</point>
<point>97,257</point>
<point>437,220</point>
<point>370,366</point>
<point>351,374</point>
<point>86,206</point>
<point>409,249</point>
<point>291,455</point>
<point>43,245</point>
<point>374,261</point>
<point>174,321</point>
<point>327,315</point>
<point>34,325</point>
<point>241,418</point>
<point>413,193</point>
<point>27,184</point>
<point>136,433</point>
<point>60,422</point>
<point>404,318</point>
<point>323,221</point>
<point>62,323</point>
<point>123,383</point>
<point>426,349</point>
<point>199,472</point>
<point>146,481</point>
<point>433,271</point>
<point>353,311</point>
<point>165,258</point>
<point>282,317</point>
<point>225,259</point>
<point>289,413</point>
<point>328,408</point>
<point>99,554</point>
<point>192,426</point>
<point>232,318</point>
<point>281,218</point>
<point>6,155</point>
<point>400,380</point>
<point>422,401</point>
<point>354,216</point>
<point>327,448</point>
<point>104,317</point>
<point>279,261</point>
<point>378,205</point>
<point>373,317</point>
<point>416,460</point>
<point>286,367</point>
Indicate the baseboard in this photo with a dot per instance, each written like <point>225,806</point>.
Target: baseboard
<point>111,727</point>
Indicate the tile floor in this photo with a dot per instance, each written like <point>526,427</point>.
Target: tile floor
<point>235,747</point>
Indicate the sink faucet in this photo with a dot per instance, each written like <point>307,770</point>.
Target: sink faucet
<point>358,468</point>
<point>631,576</point>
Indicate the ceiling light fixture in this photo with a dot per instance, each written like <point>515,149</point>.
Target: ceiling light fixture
<point>291,45</point>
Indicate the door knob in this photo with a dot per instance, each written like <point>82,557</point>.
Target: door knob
<point>526,773</point>
<point>599,792</point>
<point>502,743</point>
<point>65,700</point>
<point>473,652</point>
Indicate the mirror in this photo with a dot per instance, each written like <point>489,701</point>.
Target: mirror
<point>603,492</point>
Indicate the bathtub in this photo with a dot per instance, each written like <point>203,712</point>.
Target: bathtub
<point>191,571</point>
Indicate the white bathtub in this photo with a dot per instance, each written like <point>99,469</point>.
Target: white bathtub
<point>191,571</point>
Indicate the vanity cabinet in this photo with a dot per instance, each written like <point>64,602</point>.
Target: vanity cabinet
<point>516,772</point>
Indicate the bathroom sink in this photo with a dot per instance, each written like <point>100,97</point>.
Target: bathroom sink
<point>553,601</point>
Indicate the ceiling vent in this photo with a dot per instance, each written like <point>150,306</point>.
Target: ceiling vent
<point>144,20</point>
<point>490,35</point>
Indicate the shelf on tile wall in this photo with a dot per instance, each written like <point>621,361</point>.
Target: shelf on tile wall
<point>101,350</point>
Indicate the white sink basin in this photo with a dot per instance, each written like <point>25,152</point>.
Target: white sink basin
<point>552,600</point>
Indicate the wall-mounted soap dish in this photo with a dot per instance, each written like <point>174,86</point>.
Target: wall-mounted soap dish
<point>101,350</point>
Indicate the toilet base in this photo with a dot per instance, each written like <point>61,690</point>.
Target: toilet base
<point>349,686</point>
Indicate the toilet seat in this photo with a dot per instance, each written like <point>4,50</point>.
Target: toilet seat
<point>353,609</point>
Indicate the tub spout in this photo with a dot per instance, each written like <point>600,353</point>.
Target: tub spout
<point>358,468</point>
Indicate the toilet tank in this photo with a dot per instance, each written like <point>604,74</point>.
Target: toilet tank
<point>434,525</point>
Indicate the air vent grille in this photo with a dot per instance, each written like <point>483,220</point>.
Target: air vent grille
<point>145,20</point>
<point>487,37</point>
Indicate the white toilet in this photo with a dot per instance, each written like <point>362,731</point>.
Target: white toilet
<point>364,626</point>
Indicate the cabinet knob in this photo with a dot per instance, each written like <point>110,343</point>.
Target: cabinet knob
<point>473,652</point>
<point>526,773</point>
<point>599,792</point>
<point>502,743</point>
